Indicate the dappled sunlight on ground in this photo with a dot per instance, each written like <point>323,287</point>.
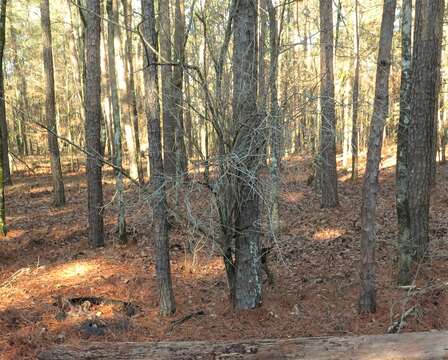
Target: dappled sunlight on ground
<point>315,263</point>
<point>328,234</point>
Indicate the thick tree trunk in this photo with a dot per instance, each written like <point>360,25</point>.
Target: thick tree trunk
<point>402,175</point>
<point>328,173</point>
<point>367,298</point>
<point>93,123</point>
<point>410,346</point>
<point>424,95</point>
<point>168,118</point>
<point>247,148</point>
<point>50,106</point>
<point>112,41</point>
<point>152,108</point>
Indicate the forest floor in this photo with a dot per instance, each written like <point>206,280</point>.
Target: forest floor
<point>46,257</point>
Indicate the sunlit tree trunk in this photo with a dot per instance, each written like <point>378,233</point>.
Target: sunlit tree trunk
<point>93,123</point>
<point>402,174</point>
<point>355,100</point>
<point>22,98</point>
<point>50,106</point>
<point>328,173</point>
<point>424,95</point>
<point>152,108</point>
<point>106,97</point>
<point>367,297</point>
<point>112,41</point>
<point>129,100</point>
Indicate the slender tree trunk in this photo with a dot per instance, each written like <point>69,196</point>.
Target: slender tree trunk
<point>93,123</point>
<point>3,124</point>
<point>402,175</point>
<point>444,126</point>
<point>112,41</point>
<point>262,72</point>
<point>177,82</point>
<point>169,120</point>
<point>275,122</point>
<point>152,108</point>
<point>78,66</point>
<point>136,168</point>
<point>106,97</point>
<point>328,173</point>
<point>22,97</point>
<point>204,129</point>
<point>424,95</point>
<point>3,228</point>
<point>247,147</point>
<point>127,93</point>
<point>354,137</point>
<point>50,106</point>
<point>189,121</point>
<point>367,298</point>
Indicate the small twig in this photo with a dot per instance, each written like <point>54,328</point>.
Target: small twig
<point>176,323</point>
<point>23,162</point>
<point>14,277</point>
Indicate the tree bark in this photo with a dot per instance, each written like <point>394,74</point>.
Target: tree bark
<point>168,118</point>
<point>22,97</point>
<point>112,41</point>
<point>93,123</point>
<point>126,94</point>
<point>402,174</point>
<point>328,173</point>
<point>136,164</point>
<point>354,137</point>
<point>274,122</point>
<point>409,346</point>
<point>3,228</point>
<point>3,124</point>
<point>367,298</point>
<point>50,106</point>
<point>157,177</point>
<point>178,82</point>
<point>247,148</point>
<point>424,95</point>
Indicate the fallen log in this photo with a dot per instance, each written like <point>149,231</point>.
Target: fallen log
<point>409,346</point>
